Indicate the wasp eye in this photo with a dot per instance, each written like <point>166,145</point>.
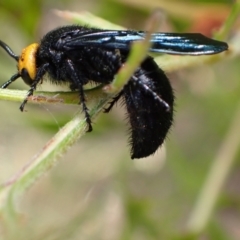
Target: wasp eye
<point>25,76</point>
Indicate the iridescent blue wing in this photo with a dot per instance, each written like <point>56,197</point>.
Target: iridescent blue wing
<point>171,43</point>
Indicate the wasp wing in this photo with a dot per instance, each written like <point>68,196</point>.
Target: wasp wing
<point>171,43</point>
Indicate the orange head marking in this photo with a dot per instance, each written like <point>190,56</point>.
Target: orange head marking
<point>27,66</point>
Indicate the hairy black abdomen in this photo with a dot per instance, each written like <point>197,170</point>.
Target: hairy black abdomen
<point>150,120</point>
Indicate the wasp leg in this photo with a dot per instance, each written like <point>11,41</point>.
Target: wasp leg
<point>150,91</point>
<point>38,78</point>
<point>77,82</point>
<point>114,100</point>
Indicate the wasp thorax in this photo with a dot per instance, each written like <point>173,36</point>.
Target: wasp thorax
<point>27,63</point>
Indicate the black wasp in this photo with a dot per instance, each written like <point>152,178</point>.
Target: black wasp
<point>77,55</point>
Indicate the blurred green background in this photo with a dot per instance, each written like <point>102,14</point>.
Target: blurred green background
<point>97,192</point>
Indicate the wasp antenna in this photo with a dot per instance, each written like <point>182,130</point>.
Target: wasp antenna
<point>9,50</point>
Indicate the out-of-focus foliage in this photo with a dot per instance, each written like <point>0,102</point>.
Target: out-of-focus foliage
<point>97,192</point>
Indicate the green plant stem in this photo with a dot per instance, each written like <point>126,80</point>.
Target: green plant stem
<point>41,163</point>
<point>223,33</point>
<point>216,177</point>
<point>71,132</point>
<point>227,152</point>
<point>86,18</point>
<point>67,136</point>
<point>47,157</point>
<point>40,97</point>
